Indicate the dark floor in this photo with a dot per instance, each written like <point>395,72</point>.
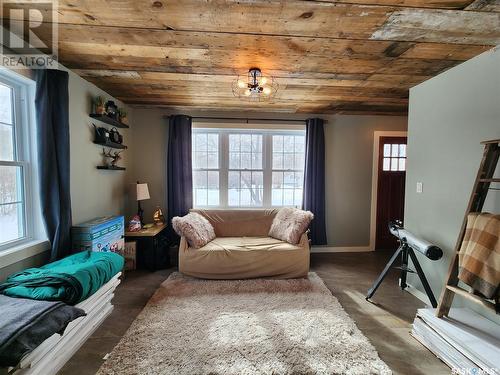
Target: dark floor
<point>386,323</point>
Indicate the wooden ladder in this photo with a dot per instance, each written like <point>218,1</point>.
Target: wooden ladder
<point>479,192</point>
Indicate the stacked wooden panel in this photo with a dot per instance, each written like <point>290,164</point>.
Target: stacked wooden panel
<point>464,340</point>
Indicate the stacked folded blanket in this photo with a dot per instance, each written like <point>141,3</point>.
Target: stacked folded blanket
<point>70,280</point>
<point>25,324</point>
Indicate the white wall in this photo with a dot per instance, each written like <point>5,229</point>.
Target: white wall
<point>449,115</point>
<point>349,154</point>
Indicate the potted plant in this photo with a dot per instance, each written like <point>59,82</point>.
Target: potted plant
<point>122,115</point>
<point>99,105</point>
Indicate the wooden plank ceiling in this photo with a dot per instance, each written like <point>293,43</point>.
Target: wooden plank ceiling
<point>337,56</point>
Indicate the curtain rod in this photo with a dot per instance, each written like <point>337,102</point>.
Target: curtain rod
<point>243,119</point>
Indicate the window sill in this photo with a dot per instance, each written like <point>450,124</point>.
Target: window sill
<point>24,251</point>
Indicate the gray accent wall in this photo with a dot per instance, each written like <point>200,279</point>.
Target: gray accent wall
<point>449,116</point>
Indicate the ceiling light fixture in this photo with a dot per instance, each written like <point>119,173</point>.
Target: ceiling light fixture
<point>254,86</point>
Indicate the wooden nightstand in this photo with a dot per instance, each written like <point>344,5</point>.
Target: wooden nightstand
<point>152,247</point>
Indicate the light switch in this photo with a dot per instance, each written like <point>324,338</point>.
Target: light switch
<point>420,187</point>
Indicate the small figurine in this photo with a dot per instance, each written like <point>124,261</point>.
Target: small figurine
<point>158,217</point>
<point>115,157</point>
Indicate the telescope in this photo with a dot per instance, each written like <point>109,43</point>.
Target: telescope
<point>418,244</point>
<point>408,244</point>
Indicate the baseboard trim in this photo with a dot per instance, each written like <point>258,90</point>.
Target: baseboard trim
<point>340,249</point>
<point>418,294</point>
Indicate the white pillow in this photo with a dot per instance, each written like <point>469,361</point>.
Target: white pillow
<point>290,224</point>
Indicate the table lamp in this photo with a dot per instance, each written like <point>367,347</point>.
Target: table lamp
<point>142,193</point>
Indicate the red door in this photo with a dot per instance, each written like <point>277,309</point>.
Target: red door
<point>390,188</point>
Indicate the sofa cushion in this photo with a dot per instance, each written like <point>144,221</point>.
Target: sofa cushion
<point>239,223</point>
<point>195,228</point>
<point>247,244</point>
<point>290,224</point>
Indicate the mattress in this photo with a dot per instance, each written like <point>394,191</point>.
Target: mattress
<point>245,257</point>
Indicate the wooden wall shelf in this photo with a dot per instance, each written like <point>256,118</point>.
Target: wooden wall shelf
<point>108,120</point>
<point>109,168</point>
<point>111,145</point>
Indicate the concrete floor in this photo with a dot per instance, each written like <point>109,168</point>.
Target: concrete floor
<point>386,322</point>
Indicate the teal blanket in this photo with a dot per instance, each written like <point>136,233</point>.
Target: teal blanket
<point>70,280</point>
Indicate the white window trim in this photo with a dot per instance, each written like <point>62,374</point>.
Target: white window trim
<point>267,132</point>
<point>35,239</point>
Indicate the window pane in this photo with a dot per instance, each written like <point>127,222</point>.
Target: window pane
<point>213,142</point>
<point>234,142</point>
<point>11,184</point>
<point>298,197</point>
<point>233,197</point>
<point>300,142</point>
<point>257,180</point>
<point>277,143</point>
<point>11,222</point>
<point>234,180</point>
<point>213,180</point>
<point>387,164</point>
<point>5,104</point>
<point>246,143</point>
<point>288,197</point>
<point>394,150</point>
<point>213,160</point>
<point>277,180</point>
<point>402,164</point>
<point>299,179</point>
<point>200,141</point>
<point>234,160</point>
<point>257,161</point>
<point>213,197</point>
<point>277,197</point>
<point>246,161</point>
<point>288,180</point>
<point>277,161</point>
<point>6,142</point>
<point>256,143</point>
<point>288,143</point>
<point>288,161</point>
<point>387,150</point>
<point>200,159</point>
<point>402,150</point>
<point>299,161</point>
<point>200,197</point>
<point>200,179</point>
<point>394,164</point>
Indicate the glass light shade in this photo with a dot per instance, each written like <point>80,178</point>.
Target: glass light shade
<point>263,80</point>
<point>247,92</point>
<point>241,84</point>
<point>267,90</point>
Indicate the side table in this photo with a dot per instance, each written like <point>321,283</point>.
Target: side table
<point>152,247</point>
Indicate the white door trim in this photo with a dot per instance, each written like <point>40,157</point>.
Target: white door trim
<point>376,144</point>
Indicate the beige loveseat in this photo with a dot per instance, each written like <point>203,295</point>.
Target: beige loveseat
<point>243,249</point>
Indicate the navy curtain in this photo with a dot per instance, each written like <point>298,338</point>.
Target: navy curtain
<point>179,170</point>
<point>314,179</point>
<point>51,103</point>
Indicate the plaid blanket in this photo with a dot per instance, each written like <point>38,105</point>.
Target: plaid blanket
<point>479,257</point>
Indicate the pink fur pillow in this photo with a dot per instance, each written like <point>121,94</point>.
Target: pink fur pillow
<point>195,228</point>
<point>290,224</point>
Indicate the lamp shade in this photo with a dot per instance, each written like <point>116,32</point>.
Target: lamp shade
<point>142,192</point>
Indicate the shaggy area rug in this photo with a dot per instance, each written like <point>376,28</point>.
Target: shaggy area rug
<point>260,326</point>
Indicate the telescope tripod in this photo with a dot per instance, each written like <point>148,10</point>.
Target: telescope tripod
<point>405,251</point>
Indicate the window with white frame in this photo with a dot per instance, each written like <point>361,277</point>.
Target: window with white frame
<point>235,167</point>
<point>16,208</point>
